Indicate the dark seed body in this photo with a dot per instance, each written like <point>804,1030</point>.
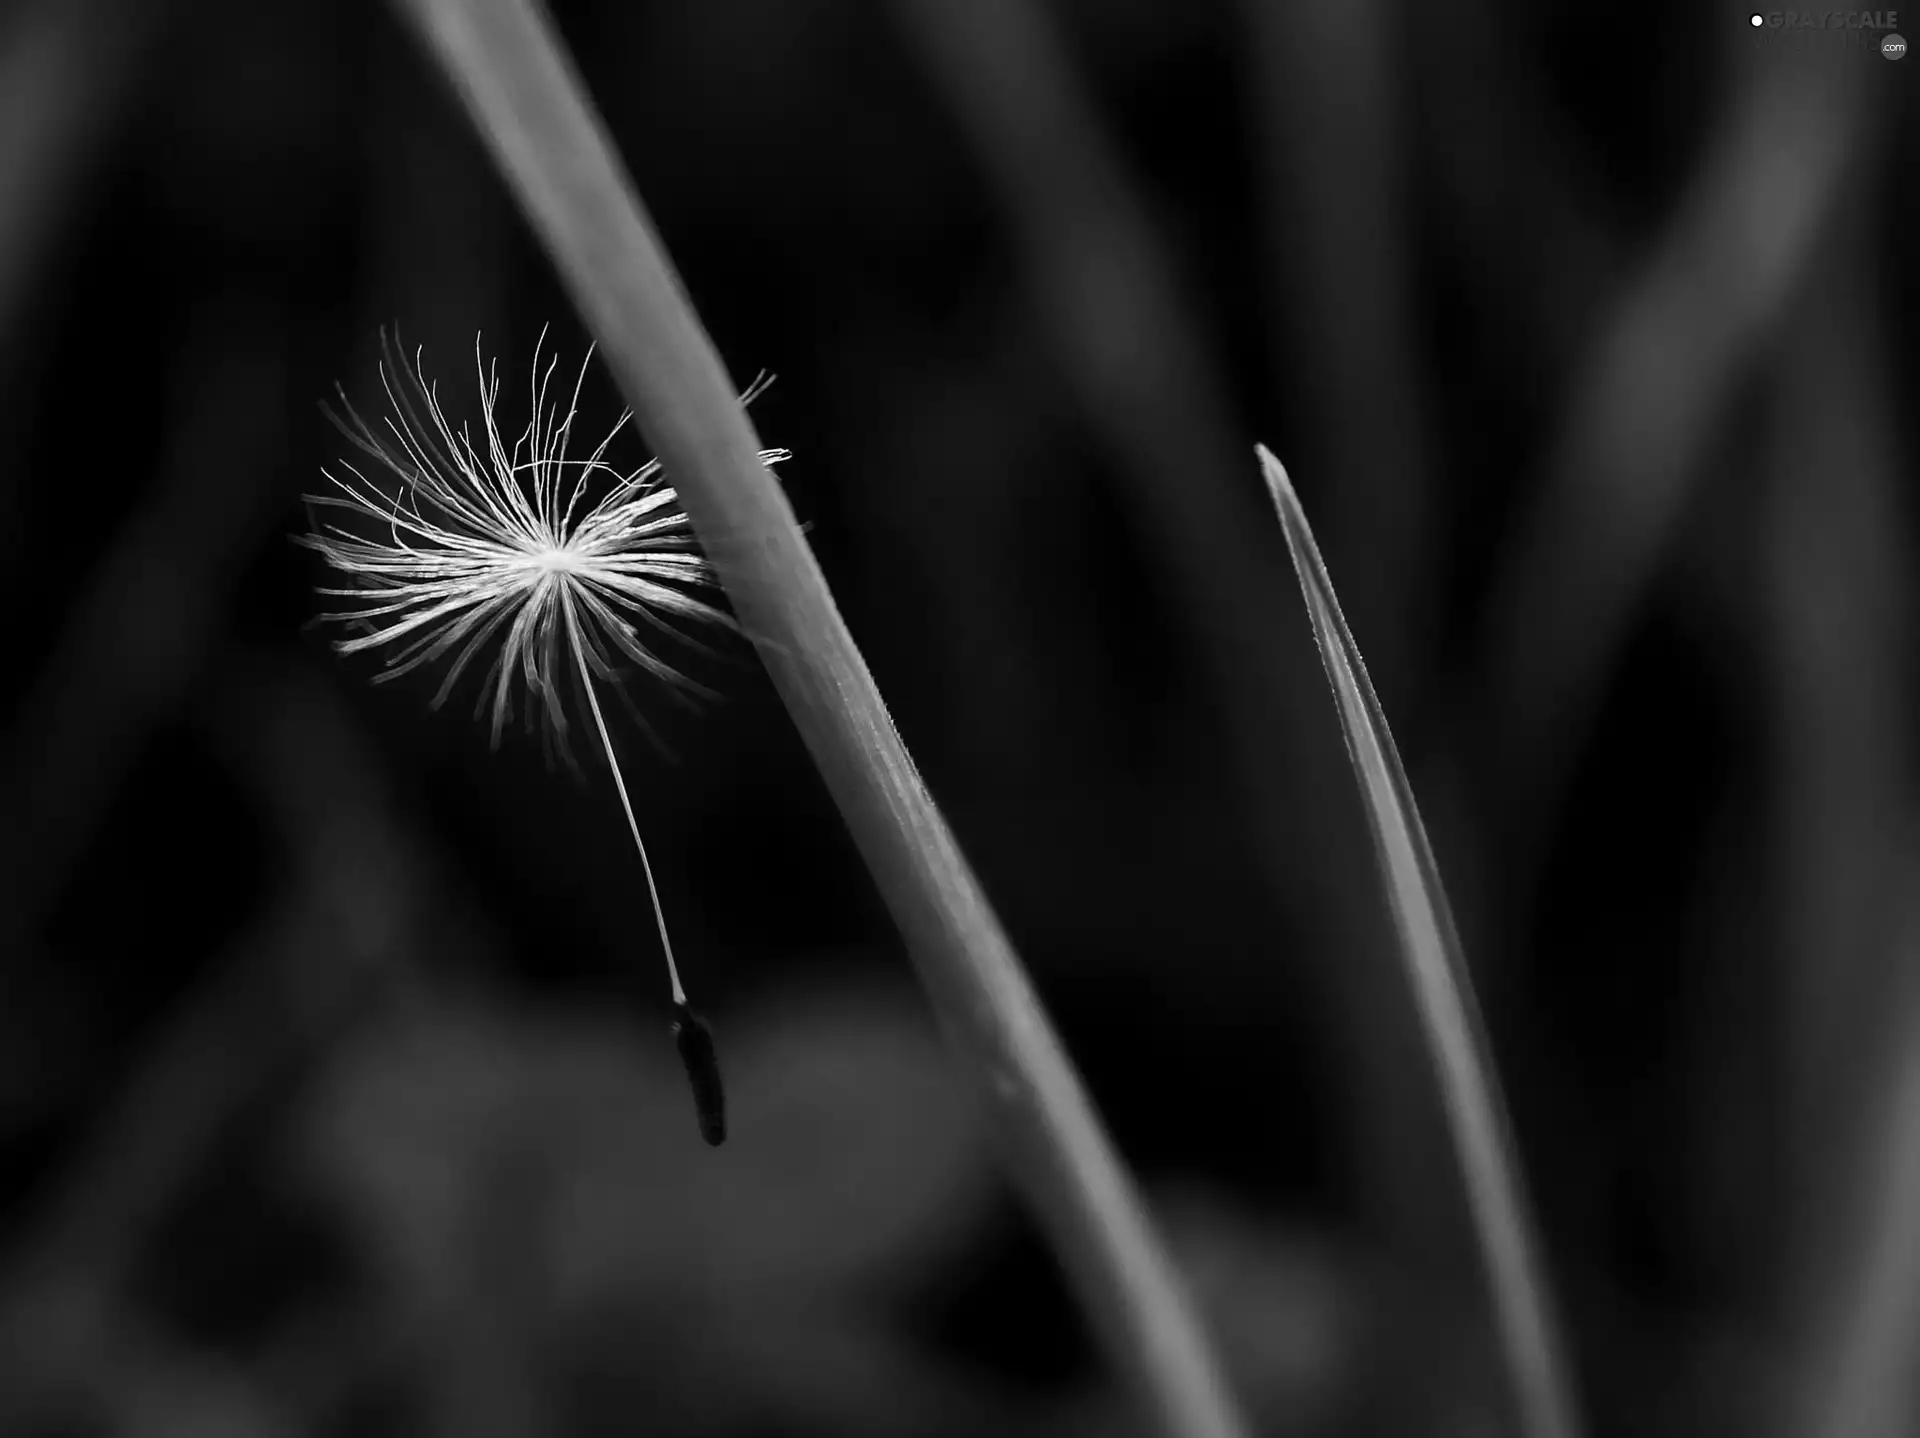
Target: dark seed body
<point>695,1042</point>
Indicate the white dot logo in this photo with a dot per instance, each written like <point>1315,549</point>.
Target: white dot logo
<point>1756,21</point>
<point>1893,47</point>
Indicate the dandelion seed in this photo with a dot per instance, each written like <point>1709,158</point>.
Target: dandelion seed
<point>695,1042</point>
<point>556,557</point>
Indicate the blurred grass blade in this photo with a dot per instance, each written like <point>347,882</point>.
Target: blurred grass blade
<point>1444,995</point>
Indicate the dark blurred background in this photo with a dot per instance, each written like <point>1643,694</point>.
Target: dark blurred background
<point>335,1089</point>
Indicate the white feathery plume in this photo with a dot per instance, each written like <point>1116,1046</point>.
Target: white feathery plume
<point>477,538</point>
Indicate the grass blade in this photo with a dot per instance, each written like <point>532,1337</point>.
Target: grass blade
<point>527,102</point>
<point>1522,1308</point>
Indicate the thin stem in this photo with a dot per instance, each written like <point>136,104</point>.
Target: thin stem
<point>619,783</point>
<point>528,104</point>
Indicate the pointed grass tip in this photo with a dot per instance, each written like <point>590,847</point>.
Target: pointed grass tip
<point>695,1042</point>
